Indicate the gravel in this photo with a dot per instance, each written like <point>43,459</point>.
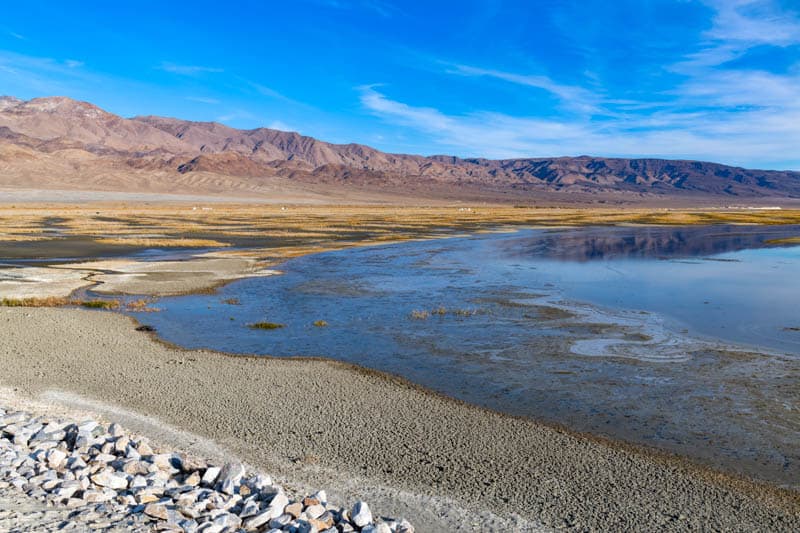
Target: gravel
<point>95,472</point>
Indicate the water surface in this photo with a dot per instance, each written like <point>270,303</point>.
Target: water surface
<point>680,338</point>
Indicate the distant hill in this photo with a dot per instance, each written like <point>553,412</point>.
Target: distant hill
<point>60,143</point>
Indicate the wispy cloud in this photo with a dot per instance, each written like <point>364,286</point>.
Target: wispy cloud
<point>738,26</point>
<point>379,7</point>
<point>736,138</point>
<point>17,36</point>
<point>574,97</point>
<point>188,70</point>
<point>74,63</point>
<point>712,111</point>
<point>42,75</point>
<point>753,22</point>
<point>203,100</point>
<point>279,125</point>
<point>238,114</point>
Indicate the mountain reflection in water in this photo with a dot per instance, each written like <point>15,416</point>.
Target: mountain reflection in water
<point>645,242</point>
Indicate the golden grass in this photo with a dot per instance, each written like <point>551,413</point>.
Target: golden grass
<point>177,243</point>
<point>142,305</point>
<point>274,234</point>
<point>53,301</point>
<point>786,240</point>
<point>265,325</point>
<point>34,302</point>
<point>98,304</point>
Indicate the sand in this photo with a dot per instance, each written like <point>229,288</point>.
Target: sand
<point>313,423</point>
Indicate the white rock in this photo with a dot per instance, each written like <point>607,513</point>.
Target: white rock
<point>229,477</point>
<point>211,475</point>
<point>274,510</point>
<point>251,507</point>
<point>55,458</point>
<point>405,527</point>
<point>97,496</point>
<point>360,515</point>
<point>67,489</point>
<point>109,479</point>
<point>315,511</point>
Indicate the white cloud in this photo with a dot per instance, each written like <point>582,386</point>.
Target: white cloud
<point>739,25</point>
<point>42,75</point>
<point>203,100</point>
<point>753,22</point>
<point>575,97</point>
<point>736,138</point>
<point>74,63</point>
<point>738,116</point>
<point>279,125</point>
<point>379,7</point>
<point>188,70</point>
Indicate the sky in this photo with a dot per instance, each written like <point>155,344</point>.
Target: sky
<point>715,80</point>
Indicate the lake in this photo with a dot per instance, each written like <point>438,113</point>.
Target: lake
<point>682,338</point>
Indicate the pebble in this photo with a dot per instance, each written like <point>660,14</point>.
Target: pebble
<point>102,477</point>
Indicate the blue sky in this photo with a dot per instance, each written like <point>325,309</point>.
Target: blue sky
<point>701,79</point>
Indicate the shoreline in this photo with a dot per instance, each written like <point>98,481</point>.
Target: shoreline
<point>560,455</point>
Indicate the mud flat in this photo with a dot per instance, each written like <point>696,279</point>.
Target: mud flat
<point>362,435</point>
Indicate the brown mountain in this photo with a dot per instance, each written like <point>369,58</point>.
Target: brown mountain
<point>60,143</point>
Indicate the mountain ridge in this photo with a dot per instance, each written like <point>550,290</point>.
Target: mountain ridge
<point>34,132</point>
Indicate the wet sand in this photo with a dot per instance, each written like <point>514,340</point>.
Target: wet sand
<point>442,464</point>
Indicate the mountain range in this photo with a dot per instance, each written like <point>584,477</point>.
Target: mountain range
<point>57,143</point>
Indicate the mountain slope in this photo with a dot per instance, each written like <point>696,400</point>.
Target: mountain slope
<point>70,140</point>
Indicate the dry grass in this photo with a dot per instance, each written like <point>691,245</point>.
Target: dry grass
<point>34,302</point>
<point>163,243</point>
<point>787,240</point>
<point>272,234</point>
<point>59,302</point>
<point>98,304</point>
<point>143,305</point>
<point>420,314</point>
<point>265,325</point>
<point>320,323</point>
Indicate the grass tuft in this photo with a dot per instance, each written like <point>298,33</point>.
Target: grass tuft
<point>418,314</point>
<point>143,305</point>
<point>34,302</point>
<point>320,323</point>
<point>265,325</point>
<point>99,304</point>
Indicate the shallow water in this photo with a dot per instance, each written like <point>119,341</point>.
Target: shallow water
<point>679,338</point>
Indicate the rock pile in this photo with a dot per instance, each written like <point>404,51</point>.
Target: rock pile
<point>112,479</point>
